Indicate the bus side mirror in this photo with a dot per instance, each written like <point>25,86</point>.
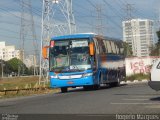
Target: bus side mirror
<point>91,48</point>
<point>45,52</point>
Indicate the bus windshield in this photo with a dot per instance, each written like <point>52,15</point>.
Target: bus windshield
<point>70,55</point>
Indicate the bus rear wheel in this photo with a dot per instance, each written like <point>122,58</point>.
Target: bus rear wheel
<point>64,89</point>
<point>96,87</point>
<point>115,84</point>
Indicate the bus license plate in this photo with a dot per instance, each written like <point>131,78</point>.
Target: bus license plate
<point>70,82</point>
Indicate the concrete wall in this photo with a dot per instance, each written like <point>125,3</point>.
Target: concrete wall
<point>136,65</point>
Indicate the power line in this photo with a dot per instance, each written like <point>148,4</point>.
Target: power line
<point>108,18</point>
<point>93,5</point>
<point>114,10</point>
<point>14,37</point>
<point>26,28</point>
<point>9,13</point>
<point>34,10</point>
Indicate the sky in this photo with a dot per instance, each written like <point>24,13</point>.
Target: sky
<point>113,12</point>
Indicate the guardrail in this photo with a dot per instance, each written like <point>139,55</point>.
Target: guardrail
<point>17,90</point>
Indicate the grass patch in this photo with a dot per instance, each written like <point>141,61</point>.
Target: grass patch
<point>21,83</point>
<point>27,93</point>
<point>138,77</point>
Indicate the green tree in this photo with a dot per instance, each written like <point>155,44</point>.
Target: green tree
<point>6,68</point>
<point>155,50</point>
<point>17,66</point>
<point>158,35</point>
<point>127,50</point>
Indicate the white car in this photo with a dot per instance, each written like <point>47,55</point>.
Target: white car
<point>154,82</point>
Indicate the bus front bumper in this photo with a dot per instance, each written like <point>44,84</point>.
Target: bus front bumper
<point>58,83</point>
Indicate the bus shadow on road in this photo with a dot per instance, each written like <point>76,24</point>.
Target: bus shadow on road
<point>81,89</point>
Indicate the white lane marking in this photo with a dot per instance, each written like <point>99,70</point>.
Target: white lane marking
<point>135,103</point>
<point>153,106</point>
<point>136,99</point>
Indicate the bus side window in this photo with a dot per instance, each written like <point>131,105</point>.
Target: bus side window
<point>105,45</point>
<point>101,46</point>
<point>122,48</point>
<point>109,49</point>
<point>113,47</point>
<point>117,48</point>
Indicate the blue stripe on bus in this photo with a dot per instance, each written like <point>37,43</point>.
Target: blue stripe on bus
<point>73,36</point>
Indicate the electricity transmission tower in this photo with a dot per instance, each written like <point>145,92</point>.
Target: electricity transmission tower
<point>159,20</point>
<point>130,38</point>
<point>57,19</point>
<point>27,33</point>
<point>129,9</point>
<point>99,25</point>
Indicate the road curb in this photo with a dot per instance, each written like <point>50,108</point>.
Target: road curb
<point>134,81</point>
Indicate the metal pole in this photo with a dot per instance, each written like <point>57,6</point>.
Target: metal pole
<point>2,70</point>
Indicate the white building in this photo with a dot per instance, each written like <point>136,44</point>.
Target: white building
<point>8,52</point>
<point>138,33</point>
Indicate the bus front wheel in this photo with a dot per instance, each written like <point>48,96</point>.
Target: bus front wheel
<point>64,89</point>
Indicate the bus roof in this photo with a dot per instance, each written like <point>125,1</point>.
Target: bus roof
<point>72,36</point>
<point>82,35</point>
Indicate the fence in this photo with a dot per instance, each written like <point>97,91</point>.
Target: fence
<point>17,90</point>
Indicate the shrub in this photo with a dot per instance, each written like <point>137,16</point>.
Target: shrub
<point>139,76</point>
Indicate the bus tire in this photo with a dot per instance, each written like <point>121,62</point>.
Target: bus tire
<point>86,87</point>
<point>115,84</point>
<point>64,89</point>
<point>96,87</point>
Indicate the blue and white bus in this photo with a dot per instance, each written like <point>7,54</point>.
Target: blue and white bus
<point>87,60</point>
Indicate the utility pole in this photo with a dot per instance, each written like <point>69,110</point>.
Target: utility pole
<point>159,19</point>
<point>27,30</point>
<point>2,65</point>
<point>57,19</point>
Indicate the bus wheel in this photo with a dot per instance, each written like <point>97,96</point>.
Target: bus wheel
<point>115,84</point>
<point>96,87</point>
<point>86,87</point>
<point>64,89</point>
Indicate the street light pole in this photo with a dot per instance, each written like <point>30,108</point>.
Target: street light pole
<point>2,68</point>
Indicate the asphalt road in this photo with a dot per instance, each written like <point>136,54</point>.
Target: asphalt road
<point>126,99</point>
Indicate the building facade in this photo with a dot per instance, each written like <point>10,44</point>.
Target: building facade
<point>8,52</point>
<point>139,34</point>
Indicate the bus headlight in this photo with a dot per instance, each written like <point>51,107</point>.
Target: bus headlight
<point>87,74</point>
<point>54,76</point>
